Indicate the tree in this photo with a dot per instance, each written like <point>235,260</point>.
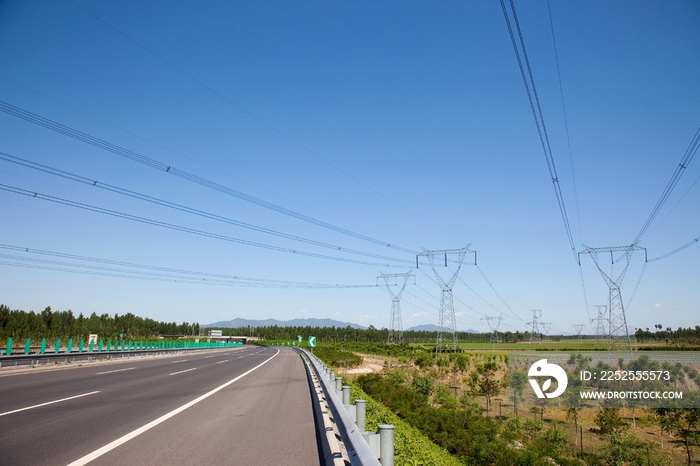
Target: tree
<point>609,421</point>
<point>684,422</point>
<point>517,382</point>
<point>625,449</point>
<point>487,384</point>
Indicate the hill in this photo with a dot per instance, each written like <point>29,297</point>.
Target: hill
<point>239,322</point>
<point>435,328</point>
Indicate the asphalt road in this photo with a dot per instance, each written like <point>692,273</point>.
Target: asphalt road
<point>247,405</point>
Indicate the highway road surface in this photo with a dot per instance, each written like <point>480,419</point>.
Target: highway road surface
<point>248,405</point>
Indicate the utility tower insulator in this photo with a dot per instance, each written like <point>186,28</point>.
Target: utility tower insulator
<point>601,325</point>
<point>446,319</point>
<point>535,326</point>
<point>618,333</point>
<point>578,328</point>
<point>395,327</point>
<point>493,322</point>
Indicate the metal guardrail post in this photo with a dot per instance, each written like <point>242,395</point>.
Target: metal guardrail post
<point>359,452</point>
<point>360,414</point>
<point>346,396</point>
<point>339,386</point>
<point>386,445</point>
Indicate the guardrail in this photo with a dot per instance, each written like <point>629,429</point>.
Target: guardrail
<point>363,448</point>
<point>125,345</point>
<point>31,359</point>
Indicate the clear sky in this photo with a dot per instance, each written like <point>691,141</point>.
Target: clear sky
<point>405,122</point>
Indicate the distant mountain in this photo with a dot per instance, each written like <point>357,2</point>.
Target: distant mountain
<point>435,328</point>
<point>238,322</point>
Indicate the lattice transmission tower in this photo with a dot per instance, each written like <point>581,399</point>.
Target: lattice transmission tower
<point>446,319</point>
<point>618,333</point>
<point>493,322</point>
<point>535,325</point>
<point>546,326</point>
<point>578,328</point>
<point>601,327</point>
<point>395,326</point>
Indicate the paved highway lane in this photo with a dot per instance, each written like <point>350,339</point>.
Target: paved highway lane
<point>264,417</point>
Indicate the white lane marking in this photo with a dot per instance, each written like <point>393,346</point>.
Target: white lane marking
<point>207,357</point>
<point>239,357</point>
<point>117,370</point>
<point>48,403</point>
<point>180,372</point>
<point>225,360</point>
<point>122,440</point>
<point>181,360</point>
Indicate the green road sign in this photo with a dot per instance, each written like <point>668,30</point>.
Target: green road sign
<point>312,342</point>
<point>299,337</point>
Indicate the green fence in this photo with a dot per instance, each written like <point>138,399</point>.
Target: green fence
<point>122,345</point>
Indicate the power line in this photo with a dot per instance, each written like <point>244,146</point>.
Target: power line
<point>147,272</point>
<point>172,205</point>
<point>531,91</point>
<point>160,166</point>
<point>680,169</point>
<point>191,159</point>
<point>170,226</point>
<point>679,249</point>
<point>256,118</point>
<point>568,145</point>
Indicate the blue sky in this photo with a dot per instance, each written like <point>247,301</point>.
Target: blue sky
<point>405,122</point>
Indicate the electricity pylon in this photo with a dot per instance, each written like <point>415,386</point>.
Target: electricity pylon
<point>578,328</point>
<point>618,333</point>
<point>395,318</point>
<point>446,319</point>
<point>601,328</point>
<point>535,325</point>
<point>546,326</point>
<point>493,323</point>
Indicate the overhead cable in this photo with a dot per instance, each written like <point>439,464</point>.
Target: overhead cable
<point>142,270</point>
<point>163,167</point>
<point>170,226</point>
<point>692,242</point>
<point>256,118</point>
<point>172,205</point>
<point>531,91</point>
<point>680,169</point>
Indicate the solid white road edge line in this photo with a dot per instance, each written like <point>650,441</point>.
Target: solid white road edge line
<point>122,440</point>
<point>118,370</point>
<point>49,403</point>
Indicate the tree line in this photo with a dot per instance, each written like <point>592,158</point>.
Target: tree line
<point>18,324</point>
<point>680,336</point>
<point>368,335</point>
<point>345,334</point>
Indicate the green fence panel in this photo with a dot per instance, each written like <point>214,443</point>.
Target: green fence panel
<point>81,346</point>
<point>70,346</point>
<point>109,344</point>
<point>28,346</point>
<point>101,344</point>
<point>58,344</point>
<point>8,351</point>
<point>43,345</point>
<point>92,345</point>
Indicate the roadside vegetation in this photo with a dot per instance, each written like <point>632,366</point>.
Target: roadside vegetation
<point>472,405</point>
